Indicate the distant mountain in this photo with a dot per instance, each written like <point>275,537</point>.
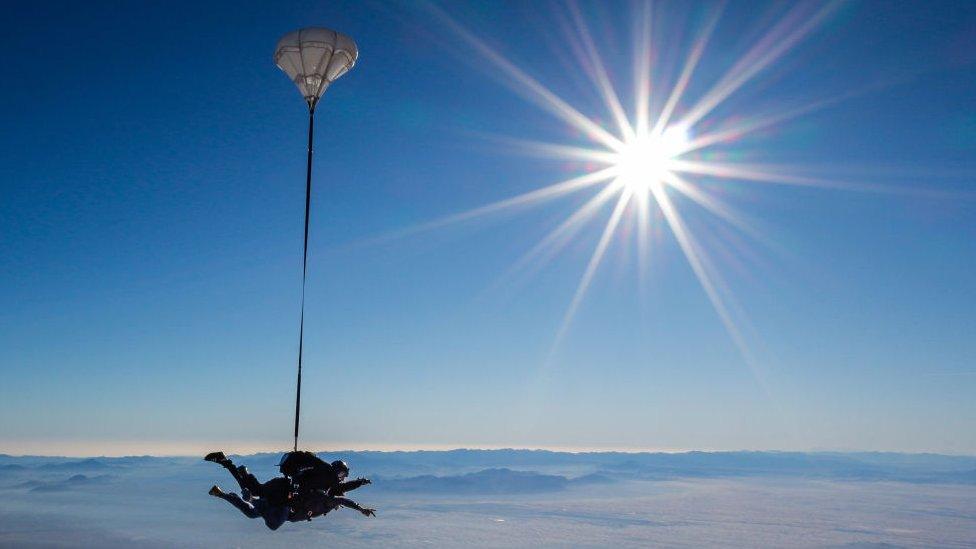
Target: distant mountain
<point>592,478</point>
<point>514,471</point>
<point>89,464</point>
<point>866,466</point>
<point>487,481</point>
<point>75,481</point>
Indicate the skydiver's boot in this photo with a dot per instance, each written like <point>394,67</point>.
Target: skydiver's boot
<point>216,457</point>
<point>216,491</point>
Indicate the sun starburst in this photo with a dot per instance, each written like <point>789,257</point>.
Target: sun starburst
<point>645,161</point>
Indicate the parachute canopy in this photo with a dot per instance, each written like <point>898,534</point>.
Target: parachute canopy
<point>313,58</point>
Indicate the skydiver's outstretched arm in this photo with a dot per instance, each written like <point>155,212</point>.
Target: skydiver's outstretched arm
<point>345,502</point>
<point>352,485</point>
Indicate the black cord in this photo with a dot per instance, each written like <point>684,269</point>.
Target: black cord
<point>301,328</point>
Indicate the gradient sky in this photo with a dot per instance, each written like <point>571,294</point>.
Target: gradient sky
<point>152,166</point>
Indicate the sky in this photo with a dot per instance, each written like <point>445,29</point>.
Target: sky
<point>152,172</point>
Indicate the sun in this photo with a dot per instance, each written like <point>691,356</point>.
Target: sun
<point>650,162</point>
<point>646,161</point>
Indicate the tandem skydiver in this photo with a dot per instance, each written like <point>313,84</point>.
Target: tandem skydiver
<point>319,487</point>
<point>282,499</point>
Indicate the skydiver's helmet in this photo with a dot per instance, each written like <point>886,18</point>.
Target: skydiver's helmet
<point>341,469</point>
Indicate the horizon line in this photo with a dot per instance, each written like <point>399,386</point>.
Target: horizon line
<point>119,449</point>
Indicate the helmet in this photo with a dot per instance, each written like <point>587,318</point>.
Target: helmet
<point>340,467</point>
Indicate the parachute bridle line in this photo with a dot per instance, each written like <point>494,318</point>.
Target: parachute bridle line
<point>301,322</point>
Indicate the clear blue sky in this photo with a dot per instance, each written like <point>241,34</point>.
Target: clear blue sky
<point>152,171</point>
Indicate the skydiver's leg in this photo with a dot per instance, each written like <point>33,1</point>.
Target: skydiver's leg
<point>243,506</point>
<point>244,478</point>
<point>274,515</point>
<point>276,490</point>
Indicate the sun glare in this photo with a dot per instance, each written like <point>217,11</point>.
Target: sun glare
<point>645,161</point>
<point>639,164</point>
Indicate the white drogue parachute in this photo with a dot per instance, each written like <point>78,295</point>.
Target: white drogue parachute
<point>313,58</point>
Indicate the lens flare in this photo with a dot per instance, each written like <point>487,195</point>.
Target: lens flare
<point>642,164</point>
<point>646,160</point>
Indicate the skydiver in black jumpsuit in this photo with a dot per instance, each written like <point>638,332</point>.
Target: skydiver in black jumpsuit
<point>311,488</point>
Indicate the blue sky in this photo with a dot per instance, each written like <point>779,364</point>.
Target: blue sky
<point>152,167</point>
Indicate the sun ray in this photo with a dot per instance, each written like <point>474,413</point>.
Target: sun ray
<point>591,267</point>
<point>556,239</point>
<point>710,203</point>
<point>525,199</point>
<point>740,130</point>
<point>699,266</point>
<point>642,69</point>
<point>599,76</point>
<point>690,64</point>
<point>768,50</point>
<point>558,151</point>
<point>643,204</point>
<point>769,174</point>
<point>531,87</point>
